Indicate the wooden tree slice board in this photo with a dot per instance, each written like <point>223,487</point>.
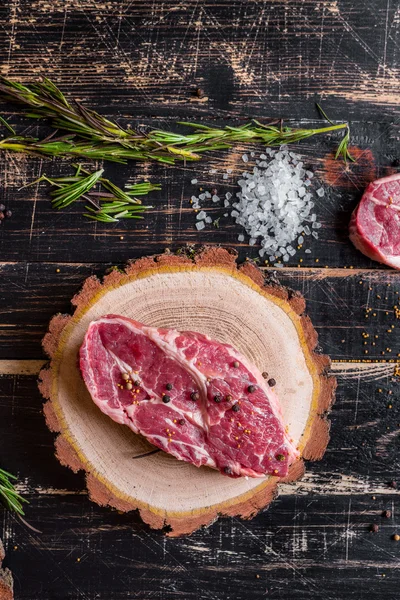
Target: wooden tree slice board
<point>208,293</point>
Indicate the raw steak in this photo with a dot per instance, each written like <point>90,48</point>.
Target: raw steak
<point>375,223</point>
<point>191,396</point>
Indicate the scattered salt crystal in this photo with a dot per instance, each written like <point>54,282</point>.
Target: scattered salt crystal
<point>194,198</point>
<point>208,220</point>
<point>315,234</point>
<point>228,195</point>
<point>307,230</point>
<point>285,258</point>
<point>315,225</point>
<point>240,238</point>
<point>215,198</point>
<point>263,157</point>
<point>194,181</point>
<point>226,215</point>
<point>309,174</point>
<point>245,158</point>
<point>225,176</point>
<point>212,171</point>
<point>229,170</point>
<point>278,265</point>
<point>320,192</point>
<point>252,241</point>
<point>200,225</point>
<point>202,196</point>
<point>201,215</point>
<point>252,154</point>
<point>308,251</point>
<point>226,203</point>
<point>301,239</point>
<point>208,195</point>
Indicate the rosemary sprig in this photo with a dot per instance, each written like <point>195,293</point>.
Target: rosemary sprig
<point>94,136</point>
<point>106,206</point>
<point>8,494</point>
<point>67,194</point>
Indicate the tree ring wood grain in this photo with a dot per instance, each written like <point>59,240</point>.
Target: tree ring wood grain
<point>205,292</point>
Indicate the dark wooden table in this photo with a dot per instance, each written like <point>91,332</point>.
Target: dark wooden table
<point>139,62</point>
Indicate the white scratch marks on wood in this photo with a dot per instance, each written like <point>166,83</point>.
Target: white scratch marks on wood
<point>21,367</point>
<point>35,197</point>
<point>347,532</point>
<point>63,28</point>
<point>13,22</point>
<point>384,441</point>
<point>334,484</point>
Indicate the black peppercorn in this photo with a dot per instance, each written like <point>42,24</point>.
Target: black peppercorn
<point>136,383</point>
<point>374,528</point>
<point>387,514</point>
<point>8,213</point>
<point>181,421</point>
<point>392,484</point>
<point>169,386</point>
<point>195,396</point>
<point>166,399</point>
<point>227,470</point>
<point>271,382</point>
<point>217,398</point>
<point>236,408</point>
<point>265,374</point>
<point>214,191</point>
<point>199,93</point>
<point>251,389</point>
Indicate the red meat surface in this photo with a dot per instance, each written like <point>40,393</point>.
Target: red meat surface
<point>193,397</point>
<point>375,223</point>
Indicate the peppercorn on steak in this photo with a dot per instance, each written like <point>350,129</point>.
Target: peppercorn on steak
<point>193,397</point>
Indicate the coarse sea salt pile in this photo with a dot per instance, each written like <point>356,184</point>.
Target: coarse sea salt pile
<point>274,204</point>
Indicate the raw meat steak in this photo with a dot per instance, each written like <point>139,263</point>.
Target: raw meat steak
<point>375,223</point>
<point>191,396</point>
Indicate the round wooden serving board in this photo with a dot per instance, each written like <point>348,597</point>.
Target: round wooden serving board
<point>208,293</point>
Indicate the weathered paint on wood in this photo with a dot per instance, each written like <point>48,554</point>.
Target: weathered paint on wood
<point>139,63</point>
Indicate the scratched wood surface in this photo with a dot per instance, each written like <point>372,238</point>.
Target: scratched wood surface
<point>139,62</point>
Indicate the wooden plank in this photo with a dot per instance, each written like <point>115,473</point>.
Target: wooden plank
<point>148,57</point>
<point>292,552</point>
<point>343,310</point>
<point>38,233</point>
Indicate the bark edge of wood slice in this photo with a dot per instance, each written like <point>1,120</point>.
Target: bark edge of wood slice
<point>6,579</point>
<point>204,291</point>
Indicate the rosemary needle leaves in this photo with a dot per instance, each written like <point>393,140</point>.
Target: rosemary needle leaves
<point>8,494</point>
<point>108,205</point>
<point>93,136</point>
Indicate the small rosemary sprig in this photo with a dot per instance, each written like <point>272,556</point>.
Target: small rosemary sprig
<point>8,494</point>
<point>107,206</point>
<point>94,136</point>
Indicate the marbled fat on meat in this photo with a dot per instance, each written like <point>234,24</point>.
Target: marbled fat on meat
<point>208,417</point>
<point>375,223</point>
